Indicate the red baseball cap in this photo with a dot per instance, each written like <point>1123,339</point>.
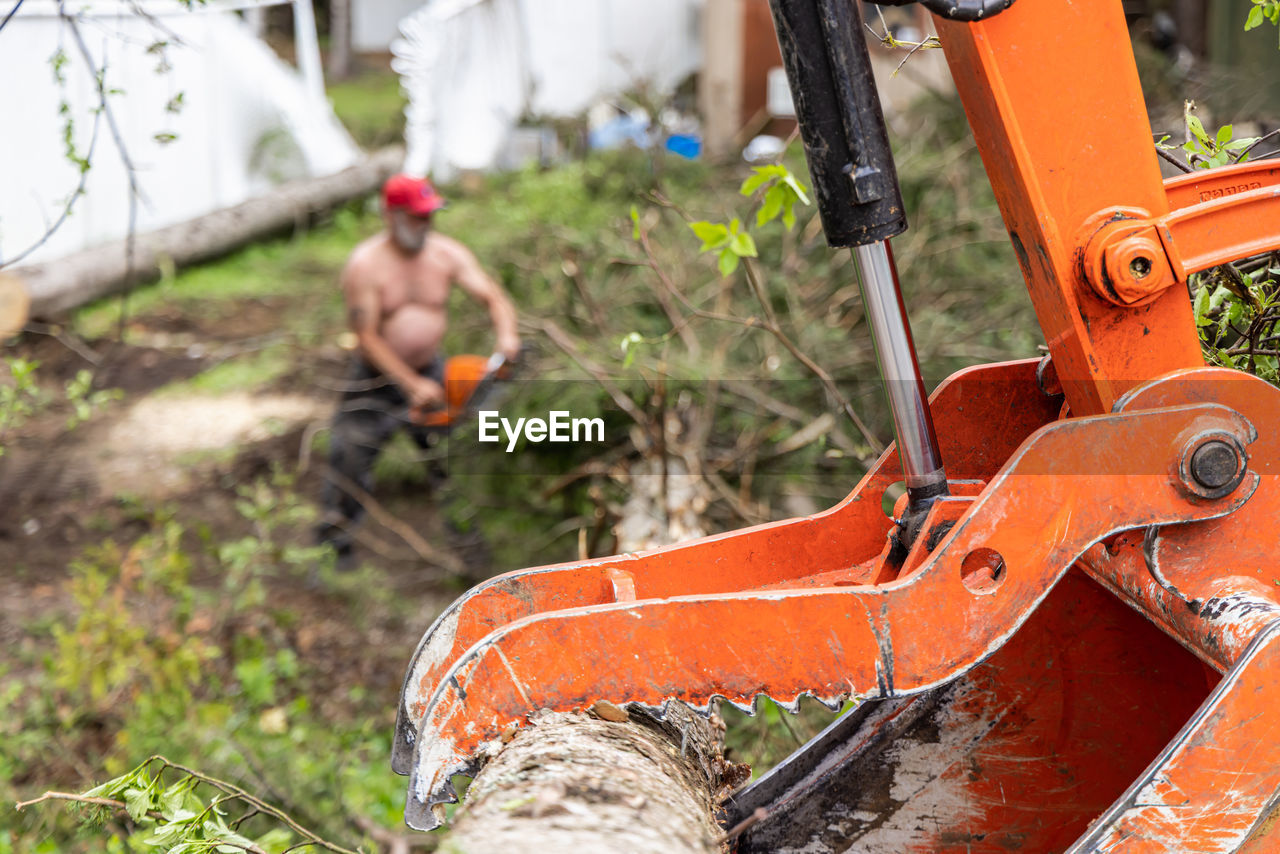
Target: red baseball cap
<point>416,195</point>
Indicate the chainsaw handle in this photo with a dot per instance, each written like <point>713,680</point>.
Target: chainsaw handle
<point>496,367</point>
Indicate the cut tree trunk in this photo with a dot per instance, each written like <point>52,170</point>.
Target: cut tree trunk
<point>580,784</point>
<point>609,780</point>
<point>15,306</point>
<point>75,279</point>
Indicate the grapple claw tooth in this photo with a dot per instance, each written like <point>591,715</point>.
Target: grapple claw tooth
<point>791,707</point>
<point>402,746</point>
<point>419,816</point>
<point>431,782</point>
<point>702,711</point>
<point>832,704</point>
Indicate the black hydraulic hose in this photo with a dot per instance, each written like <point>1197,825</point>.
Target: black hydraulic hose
<point>956,10</point>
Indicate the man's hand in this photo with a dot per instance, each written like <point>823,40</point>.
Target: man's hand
<point>509,347</point>
<point>424,393</point>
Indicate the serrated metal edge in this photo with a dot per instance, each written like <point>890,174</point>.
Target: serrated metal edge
<point>428,815</point>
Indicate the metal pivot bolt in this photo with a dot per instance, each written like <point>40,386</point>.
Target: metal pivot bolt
<point>1214,467</point>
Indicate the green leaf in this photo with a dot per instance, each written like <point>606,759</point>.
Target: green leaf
<point>1254,19</point>
<point>1235,311</point>
<point>1224,135</point>
<point>1197,129</point>
<point>771,207</point>
<point>1237,144</point>
<point>744,246</point>
<point>728,261</point>
<point>1219,294</point>
<point>753,183</point>
<point>635,223</point>
<point>275,841</point>
<point>167,835</point>
<point>171,803</point>
<point>111,788</point>
<point>136,803</point>
<point>799,189</point>
<point>1201,307</point>
<point>712,234</point>
<point>762,176</point>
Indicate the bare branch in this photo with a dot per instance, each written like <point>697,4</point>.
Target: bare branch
<point>429,553</point>
<point>70,203</point>
<point>1175,161</point>
<point>12,12</point>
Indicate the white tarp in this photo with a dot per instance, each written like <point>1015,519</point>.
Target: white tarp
<point>472,68</point>
<point>247,122</point>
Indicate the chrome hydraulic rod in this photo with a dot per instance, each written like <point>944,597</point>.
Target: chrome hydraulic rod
<point>824,50</point>
<point>900,369</point>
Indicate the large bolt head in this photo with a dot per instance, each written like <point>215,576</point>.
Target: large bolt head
<point>1137,268</point>
<point>1215,464</point>
<point>1212,466</point>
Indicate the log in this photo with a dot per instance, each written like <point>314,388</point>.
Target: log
<point>578,783</point>
<point>609,780</point>
<point>15,306</point>
<point>73,280</point>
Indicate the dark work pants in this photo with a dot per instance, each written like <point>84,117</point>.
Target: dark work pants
<point>371,411</point>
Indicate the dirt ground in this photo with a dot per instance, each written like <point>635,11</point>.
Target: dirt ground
<point>164,445</point>
<point>66,489</point>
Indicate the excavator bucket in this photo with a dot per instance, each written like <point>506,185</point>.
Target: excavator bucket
<point>1066,640</point>
<point>990,692</point>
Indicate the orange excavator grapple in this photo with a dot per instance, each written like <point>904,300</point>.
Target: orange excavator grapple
<point>1068,636</point>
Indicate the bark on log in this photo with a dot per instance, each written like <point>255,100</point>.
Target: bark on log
<point>75,279</point>
<point>609,781</point>
<point>579,784</point>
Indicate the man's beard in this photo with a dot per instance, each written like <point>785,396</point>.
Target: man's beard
<point>410,240</point>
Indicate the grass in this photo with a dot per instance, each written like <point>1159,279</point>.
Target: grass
<point>371,106</point>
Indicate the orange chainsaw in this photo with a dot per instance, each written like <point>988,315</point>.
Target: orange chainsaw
<point>1068,635</point>
<point>468,383</point>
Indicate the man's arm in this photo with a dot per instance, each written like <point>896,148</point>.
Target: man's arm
<point>364,310</point>
<point>473,279</point>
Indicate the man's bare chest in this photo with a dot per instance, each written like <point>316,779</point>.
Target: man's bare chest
<point>423,283</point>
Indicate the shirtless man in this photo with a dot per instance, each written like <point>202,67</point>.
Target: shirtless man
<point>396,286</point>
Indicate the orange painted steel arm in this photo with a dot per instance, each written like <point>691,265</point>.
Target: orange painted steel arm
<point>1207,185</point>
<point>1039,513</point>
<point>1052,95</point>
<point>1228,227</point>
<point>1219,216</point>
